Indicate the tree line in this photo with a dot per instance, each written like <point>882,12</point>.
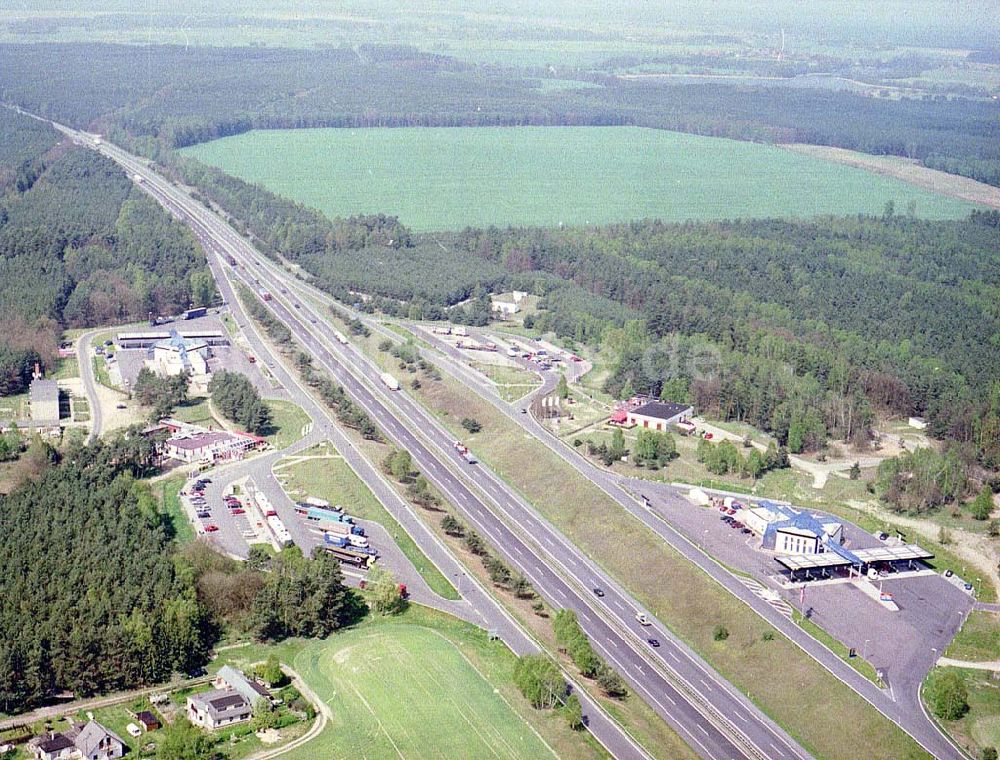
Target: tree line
<point>189,95</point>
<point>79,246</point>
<point>236,397</point>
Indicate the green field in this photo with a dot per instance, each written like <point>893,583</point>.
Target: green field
<point>441,178</point>
<point>398,690</point>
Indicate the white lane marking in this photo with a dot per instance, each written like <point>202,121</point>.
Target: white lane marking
<point>705,684</point>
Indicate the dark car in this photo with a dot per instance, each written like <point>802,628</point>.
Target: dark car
<point>655,643</point>
<point>203,514</point>
<point>598,592</point>
<point>726,519</point>
<point>205,480</point>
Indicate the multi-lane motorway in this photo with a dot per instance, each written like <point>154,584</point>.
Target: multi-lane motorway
<point>707,712</point>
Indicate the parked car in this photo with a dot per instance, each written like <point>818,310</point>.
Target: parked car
<point>211,528</point>
<point>120,406</point>
<point>239,511</point>
<point>203,514</point>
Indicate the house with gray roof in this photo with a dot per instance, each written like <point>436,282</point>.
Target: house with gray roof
<point>218,708</point>
<point>91,741</point>
<point>231,678</point>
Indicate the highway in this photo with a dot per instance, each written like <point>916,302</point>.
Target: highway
<point>705,710</point>
<point>902,704</point>
<point>493,616</point>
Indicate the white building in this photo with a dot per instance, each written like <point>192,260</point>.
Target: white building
<point>177,354</point>
<point>210,446</point>
<point>506,308</point>
<point>789,531</point>
<point>658,415</point>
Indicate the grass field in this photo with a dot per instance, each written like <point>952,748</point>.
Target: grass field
<point>169,493</point>
<point>423,683</point>
<point>196,411</point>
<point>553,175</point>
<point>979,639</point>
<point>403,690</point>
<point>332,479</point>
<point>288,419</point>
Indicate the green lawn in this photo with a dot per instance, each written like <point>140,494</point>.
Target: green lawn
<point>66,368</point>
<point>980,726</point>
<point>402,690</point>
<point>333,480</point>
<point>288,419</point>
<point>169,492</point>
<point>195,411</point>
<point>14,407</point>
<point>553,175</point>
<point>979,639</point>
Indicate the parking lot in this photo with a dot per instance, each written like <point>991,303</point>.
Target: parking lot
<point>903,644</point>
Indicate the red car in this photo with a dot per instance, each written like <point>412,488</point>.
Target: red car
<point>271,513</point>
<point>211,528</point>
<point>708,436</point>
<point>239,511</point>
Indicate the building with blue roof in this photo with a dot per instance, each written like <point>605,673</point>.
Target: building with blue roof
<point>787,530</point>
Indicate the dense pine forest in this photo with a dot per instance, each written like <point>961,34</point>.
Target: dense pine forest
<point>90,599</point>
<point>95,595</point>
<point>167,96</point>
<point>80,246</point>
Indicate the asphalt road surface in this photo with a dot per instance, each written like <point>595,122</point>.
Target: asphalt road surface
<point>210,230</point>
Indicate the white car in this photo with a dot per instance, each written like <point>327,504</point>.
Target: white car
<point>641,619</point>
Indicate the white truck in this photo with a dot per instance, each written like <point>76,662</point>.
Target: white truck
<point>281,534</point>
<point>341,338</point>
<point>354,540</point>
<point>316,502</point>
<point>390,382</point>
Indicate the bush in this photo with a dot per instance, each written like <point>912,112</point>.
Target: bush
<point>721,633</point>
<point>539,680</point>
<point>452,526</point>
<point>946,694</point>
<point>471,425</point>
<point>768,636</point>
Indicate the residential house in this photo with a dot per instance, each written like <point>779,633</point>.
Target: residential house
<point>218,708</point>
<point>91,741</point>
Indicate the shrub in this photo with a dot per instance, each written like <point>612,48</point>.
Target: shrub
<point>721,633</point>
<point>946,694</point>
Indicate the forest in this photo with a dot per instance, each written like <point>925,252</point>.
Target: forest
<point>236,397</point>
<point>807,329</point>
<point>80,246</point>
<point>90,600</point>
<point>180,96</point>
<point>96,596</point>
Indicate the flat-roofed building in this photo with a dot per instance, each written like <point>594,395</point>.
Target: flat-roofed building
<point>43,396</point>
<point>659,415</point>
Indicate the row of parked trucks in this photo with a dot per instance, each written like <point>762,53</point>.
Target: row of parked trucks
<point>341,537</point>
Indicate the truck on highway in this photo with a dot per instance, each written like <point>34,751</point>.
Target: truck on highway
<point>461,330</point>
<point>341,338</point>
<point>390,382</point>
<point>463,451</point>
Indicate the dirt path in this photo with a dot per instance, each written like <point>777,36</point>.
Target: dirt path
<point>908,171</point>
<point>994,666</point>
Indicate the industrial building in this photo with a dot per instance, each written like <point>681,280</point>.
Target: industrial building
<point>147,339</point>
